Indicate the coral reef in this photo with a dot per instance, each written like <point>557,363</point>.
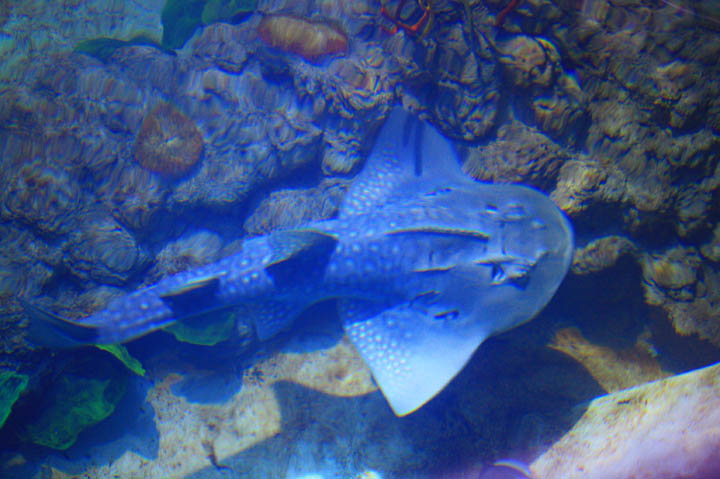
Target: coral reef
<point>601,253</point>
<point>189,251</point>
<point>41,194</point>
<point>311,40</point>
<point>686,288</point>
<point>519,154</point>
<point>102,250</point>
<point>453,80</point>
<point>168,142</point>
<point>533,66</point>
<point>288,208</point>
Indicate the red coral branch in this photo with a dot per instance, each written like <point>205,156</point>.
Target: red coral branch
<point>413,29</point>
<point>504,12</point>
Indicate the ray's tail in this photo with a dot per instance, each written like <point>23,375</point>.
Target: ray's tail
<point>48,329</point>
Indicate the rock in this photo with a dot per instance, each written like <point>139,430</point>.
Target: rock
<point>529,61</point>
<point>601,253</point>
<point>519,154</point>
<point>687,289</point>
<point>26,262</point>
<point>102,250</point>
<point>613,370</point>
<point>465,102</point>
<point>266,401</point>
<point>674,274</point>
<point>41,194</point>
<point>222,45</point>
<point>578,184</point>
<point>95,299</point>
<point>289,208</point>
<point>136,196</point>
<point>666,428</point>
<point>557,113</point>
<point>190,251</point>
<point>555,98</point>
<point>711,249</point>
<point>36,29</point>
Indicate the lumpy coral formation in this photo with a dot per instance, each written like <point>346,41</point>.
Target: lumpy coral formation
<point>310,39</point>
<point>168,143</point>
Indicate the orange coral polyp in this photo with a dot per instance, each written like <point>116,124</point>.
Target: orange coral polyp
<point>168,142</point>
<point>309,39</point>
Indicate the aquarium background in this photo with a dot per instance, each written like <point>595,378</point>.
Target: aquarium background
<point>142,139</point>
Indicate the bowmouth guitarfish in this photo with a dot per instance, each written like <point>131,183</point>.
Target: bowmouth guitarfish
<point>424,262</point>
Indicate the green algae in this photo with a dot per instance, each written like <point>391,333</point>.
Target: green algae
<point>74,404</point>
<point>102,48</point>
<point>181,18</point>
<point>12,385</point>
<point>121,353</point>
<point>230,11</point>
<point>206,331</point>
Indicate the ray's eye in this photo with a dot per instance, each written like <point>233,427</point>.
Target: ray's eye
<point>448,315</point>
<point>497,272</point>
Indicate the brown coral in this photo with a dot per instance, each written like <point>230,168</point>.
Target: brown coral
<point>311,40</point>
<point>168,143</point>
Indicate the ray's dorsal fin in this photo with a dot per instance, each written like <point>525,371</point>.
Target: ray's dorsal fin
<point>298,255</point>
<point>408,152</point>
<point>288,243</point>
<point>193,297</point>
<point>49,329</point>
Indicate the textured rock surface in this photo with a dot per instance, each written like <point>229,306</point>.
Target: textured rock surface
<point>667,428</point>
<point>269,400</point>
<point>289,208</point>
<point>613,370</point>
<point>519,154</point>
<point>190,251</point>
<point>601,254</point>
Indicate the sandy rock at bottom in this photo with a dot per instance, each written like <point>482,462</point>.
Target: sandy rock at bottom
<point>265,417</point>
<point>663,429</point>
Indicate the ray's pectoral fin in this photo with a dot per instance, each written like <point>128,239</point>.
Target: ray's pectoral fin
<point>48,329</point>
<point>298,255</point>
<point>412,351</point>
